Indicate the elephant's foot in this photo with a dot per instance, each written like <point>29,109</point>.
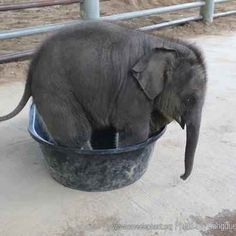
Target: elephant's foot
<point>87,146</point>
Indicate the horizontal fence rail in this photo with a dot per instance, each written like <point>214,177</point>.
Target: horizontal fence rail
<point>227,13</point>
<point>159,10</point>
<point>124,16</point>
<point>17,56</point>
<point>222,1</point>
<point>27,5</point>
<point>171,23</point>
<point>10,34</point>
<point>90,10</point>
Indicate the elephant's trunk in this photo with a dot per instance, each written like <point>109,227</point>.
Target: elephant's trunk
<point>193,122</point>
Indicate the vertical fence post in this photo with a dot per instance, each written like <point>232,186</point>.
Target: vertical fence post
<point>89,9</point>
<point>207,11</point>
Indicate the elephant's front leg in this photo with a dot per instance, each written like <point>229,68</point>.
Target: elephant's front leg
<point>133,134</point>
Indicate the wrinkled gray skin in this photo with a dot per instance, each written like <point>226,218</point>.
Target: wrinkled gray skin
<point>99,75</point>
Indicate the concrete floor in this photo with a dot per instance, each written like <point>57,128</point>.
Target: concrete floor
<point>32,203</point>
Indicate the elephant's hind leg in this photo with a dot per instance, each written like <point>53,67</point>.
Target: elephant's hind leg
<point>66,122</point>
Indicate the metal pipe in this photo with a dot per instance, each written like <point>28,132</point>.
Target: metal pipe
<point>159,10</point>
<point>16,56</point>
<point>45,3</point>
<point>207,11</point>
<point>24,55</point>
<point>19,56</point>
<point>89,9</point>
<point>27,54</point>
<point>52,27</point>
<point>170,23</point>
<point>9,34</point>
<point>227,13</point>
<point>223,1</point>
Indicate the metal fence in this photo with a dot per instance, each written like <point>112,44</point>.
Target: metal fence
<point>90,10</point>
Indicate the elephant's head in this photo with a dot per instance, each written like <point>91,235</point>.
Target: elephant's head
<point>175,82</point>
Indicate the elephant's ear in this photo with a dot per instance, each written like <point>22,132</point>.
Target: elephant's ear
<point>150,71</point>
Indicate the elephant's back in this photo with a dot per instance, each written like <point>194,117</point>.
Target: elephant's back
<point>91,60</point>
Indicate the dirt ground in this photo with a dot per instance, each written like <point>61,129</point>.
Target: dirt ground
<point>38,16</point>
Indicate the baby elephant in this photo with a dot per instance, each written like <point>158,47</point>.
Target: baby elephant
<point>98,75</point>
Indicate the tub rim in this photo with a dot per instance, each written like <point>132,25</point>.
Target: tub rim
<point>41,140</point>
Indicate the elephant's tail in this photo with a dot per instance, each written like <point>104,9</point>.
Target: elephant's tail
<point>22,103</point>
